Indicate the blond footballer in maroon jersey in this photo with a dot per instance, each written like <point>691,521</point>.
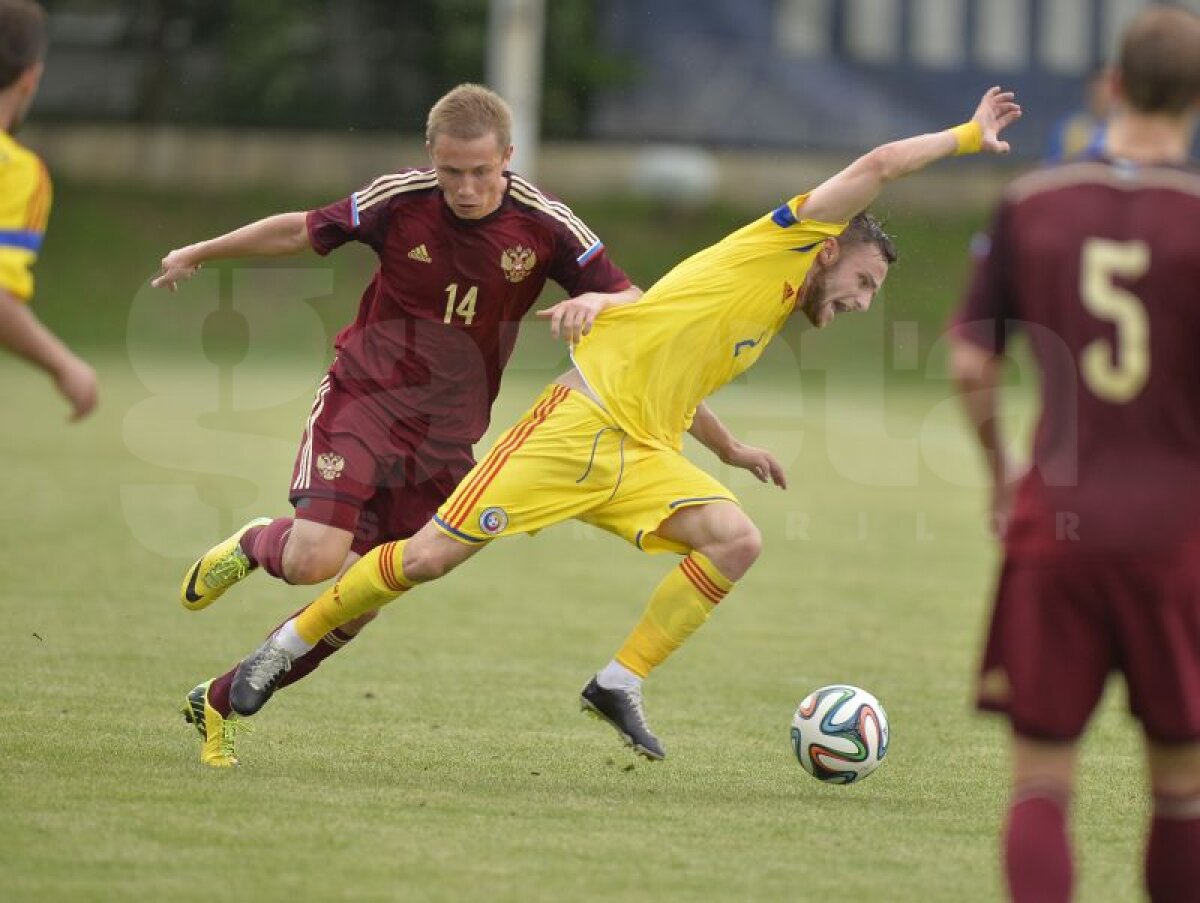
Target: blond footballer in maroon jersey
<point>464,248</point>
<point>1097,263</point>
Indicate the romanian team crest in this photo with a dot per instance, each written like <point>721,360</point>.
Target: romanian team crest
<point>493,521</point>
<point>331,465</point>
<point>517,263</point>
<point>788,292</point>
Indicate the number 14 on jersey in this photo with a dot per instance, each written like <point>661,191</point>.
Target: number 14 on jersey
<point>464,308</point>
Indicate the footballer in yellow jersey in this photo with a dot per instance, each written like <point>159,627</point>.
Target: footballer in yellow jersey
<point>24,208</point>
<point>602,443</point>
<point>705,322</point>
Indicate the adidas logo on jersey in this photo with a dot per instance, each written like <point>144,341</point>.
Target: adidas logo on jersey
<point>421,254</point>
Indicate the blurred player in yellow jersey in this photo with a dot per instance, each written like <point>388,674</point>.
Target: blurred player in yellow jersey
<point>602,443</point>
<point>24,208</point>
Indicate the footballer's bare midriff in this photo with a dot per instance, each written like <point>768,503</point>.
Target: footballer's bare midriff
<point>573,379</point>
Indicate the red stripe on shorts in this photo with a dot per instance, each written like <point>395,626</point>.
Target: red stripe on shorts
<point>500,456</point>
<point>487,464</point>
<point>456,500</point>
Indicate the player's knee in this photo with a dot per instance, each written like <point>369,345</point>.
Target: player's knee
<point>305,571</point>
<point>305,563</point>
<point>735,547</point>
<point>1175,770</point>
<point>746,544</point>
<point>1177,787</point>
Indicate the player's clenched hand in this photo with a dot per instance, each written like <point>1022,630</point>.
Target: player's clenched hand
<point>996,112</point>
<point>572,319</point>
<point>176,267</point>
<point>759,462</point>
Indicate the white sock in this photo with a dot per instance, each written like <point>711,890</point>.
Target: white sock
<point>287,639</point>
<point>615,676</point>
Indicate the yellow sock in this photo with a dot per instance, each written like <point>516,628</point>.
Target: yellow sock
<point>374,580</point>
<point>677,607</point>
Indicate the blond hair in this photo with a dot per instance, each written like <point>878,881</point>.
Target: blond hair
<point>469,112</point>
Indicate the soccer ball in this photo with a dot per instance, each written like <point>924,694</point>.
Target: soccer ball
<point>840,734</point>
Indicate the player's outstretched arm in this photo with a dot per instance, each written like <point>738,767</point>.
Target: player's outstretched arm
<point>284,233</point>
<point>853,189</point>
<point>710,432</point>
<point>572,319</point>
<point>22,333</point>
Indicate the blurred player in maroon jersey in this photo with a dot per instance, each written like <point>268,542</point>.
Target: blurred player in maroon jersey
<point>1098,263</point>
<point>464,249</point>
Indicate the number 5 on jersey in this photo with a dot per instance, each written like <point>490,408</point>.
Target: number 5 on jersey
<point>465,308</point>
<point>1115,374</point>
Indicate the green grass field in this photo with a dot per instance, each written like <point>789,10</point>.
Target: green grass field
<point>442,756</point>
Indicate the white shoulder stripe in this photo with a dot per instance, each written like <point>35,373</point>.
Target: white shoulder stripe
<point>527,194</point>
<point>384,195</point>
<point>580,232</point>
<point>1104,174</point>
<point>394,177</point>
<point>386,186</point>
<point>389,185</point>
<point>558,206</point>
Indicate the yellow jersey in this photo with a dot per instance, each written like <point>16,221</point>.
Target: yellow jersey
<point>24,208</point>
<point>707,321</point>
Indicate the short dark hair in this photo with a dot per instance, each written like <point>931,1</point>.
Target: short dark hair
<point>1160,61</point>
<point>864,229</point>
<point>22,38</point>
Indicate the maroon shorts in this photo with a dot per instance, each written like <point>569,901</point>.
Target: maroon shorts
<point>1060,626</point>
<point>361,470</point>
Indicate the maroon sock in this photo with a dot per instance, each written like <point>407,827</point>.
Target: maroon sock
<point>218,691</point>
<point>1173,852</point>
<point>264,545</point>
<point>308,662</point>
<point>1037,852</point>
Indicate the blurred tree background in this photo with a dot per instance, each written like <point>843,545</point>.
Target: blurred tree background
<point>355,64</point>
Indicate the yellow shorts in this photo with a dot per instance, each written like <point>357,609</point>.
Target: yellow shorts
<point>566,458</point>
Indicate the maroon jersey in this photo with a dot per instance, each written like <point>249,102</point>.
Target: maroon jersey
<point>1098,263</point>
<point>438,321</point>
